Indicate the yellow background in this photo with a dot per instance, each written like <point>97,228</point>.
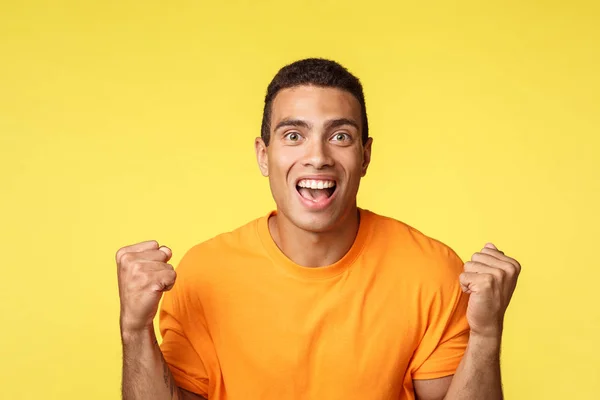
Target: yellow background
<point>125,121</point>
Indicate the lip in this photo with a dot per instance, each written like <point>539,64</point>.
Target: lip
<point>321,204</point>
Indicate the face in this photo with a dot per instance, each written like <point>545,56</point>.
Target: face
<point>315,158</point>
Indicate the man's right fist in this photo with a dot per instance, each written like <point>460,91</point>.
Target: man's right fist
<point>143,275</point>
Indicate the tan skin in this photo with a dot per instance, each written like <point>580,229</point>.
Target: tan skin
<point>314,131</point>
<point>315,141</point>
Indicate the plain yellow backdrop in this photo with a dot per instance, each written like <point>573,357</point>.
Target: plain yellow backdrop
<point>124,121</point>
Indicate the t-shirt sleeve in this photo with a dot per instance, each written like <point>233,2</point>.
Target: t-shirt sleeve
<point>186,343</point>
<point>447,330</point>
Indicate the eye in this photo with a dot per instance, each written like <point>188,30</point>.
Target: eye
<point>341,136</point>
<point>292,136</point>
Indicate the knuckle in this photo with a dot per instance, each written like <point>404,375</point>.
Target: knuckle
<point>137,267</point>
<point>511,271</point>
<point>488,280</point>
<point>486,250</point>
<point>139,280</point>
<point>127,258</point>
<point>500,274</point>
<point>119,254</point>
<point>144,279</point>
<point>517,266</point>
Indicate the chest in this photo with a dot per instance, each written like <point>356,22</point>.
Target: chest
<point>345,335</point>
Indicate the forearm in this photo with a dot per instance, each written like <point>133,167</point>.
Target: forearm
<point>478,375</point>
<point>145,373</point>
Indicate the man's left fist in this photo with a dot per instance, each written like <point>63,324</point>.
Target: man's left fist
<point>490,278</point>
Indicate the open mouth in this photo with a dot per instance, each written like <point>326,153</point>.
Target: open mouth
<point>316,190</point>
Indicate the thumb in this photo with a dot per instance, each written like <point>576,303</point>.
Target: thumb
<point>466,281</point>
<point>164,280</point>
<point>167,252</point>
<point>491,246</point>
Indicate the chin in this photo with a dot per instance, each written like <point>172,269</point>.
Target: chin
<point>317,222</point>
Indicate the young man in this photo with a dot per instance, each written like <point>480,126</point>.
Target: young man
<point>319,299</point>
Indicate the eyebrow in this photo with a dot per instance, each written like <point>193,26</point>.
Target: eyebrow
<point>334,123</point>
<point>298,123</point>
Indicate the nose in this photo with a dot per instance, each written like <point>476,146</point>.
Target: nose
<point>318,155</point>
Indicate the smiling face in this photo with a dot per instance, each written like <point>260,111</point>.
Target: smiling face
<point>315,158</point>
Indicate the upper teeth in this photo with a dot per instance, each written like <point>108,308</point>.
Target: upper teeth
<point>316,184</point>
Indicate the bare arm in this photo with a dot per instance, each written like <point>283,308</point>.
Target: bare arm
<point>143,276</point>
<point>477,377</point>
<point>146,375</point>
<point>478,374</point>
<point>490,278</point>
<point>432,389</point>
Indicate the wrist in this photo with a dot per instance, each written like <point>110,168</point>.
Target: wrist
<point>129,335</point>
<point>488,333</point>
<point>485,345</point>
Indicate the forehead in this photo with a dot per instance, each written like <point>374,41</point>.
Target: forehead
<point>314,103</point>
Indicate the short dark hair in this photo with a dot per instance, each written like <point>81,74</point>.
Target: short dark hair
<point>316,72</point>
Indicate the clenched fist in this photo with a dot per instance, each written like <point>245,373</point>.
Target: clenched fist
<point>490,278</point>
<point>143,275</point>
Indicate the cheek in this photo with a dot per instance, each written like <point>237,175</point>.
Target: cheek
<point>352,164</point>
<point>282,161</point>
<point>280,164</point>
<point>287,160</point>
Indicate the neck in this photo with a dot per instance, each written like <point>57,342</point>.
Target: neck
<point>326,248</point>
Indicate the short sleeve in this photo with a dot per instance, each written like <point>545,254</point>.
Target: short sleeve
<point>447,332</point>
<point>186,344</point>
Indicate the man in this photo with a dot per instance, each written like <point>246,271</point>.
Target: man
<point>319,299</point>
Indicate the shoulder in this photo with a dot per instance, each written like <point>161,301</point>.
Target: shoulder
<point>221,249</point>
<point>413,249</point>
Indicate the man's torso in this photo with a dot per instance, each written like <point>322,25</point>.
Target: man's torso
<point>267,328</point>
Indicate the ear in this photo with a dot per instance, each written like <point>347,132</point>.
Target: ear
<point>366,155</point>
<point>262,157</point>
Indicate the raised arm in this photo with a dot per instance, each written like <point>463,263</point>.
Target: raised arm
<point>143,275</point>
<point>490,278</point>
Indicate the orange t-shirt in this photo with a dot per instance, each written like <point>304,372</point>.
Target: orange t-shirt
<point>245,322</point>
